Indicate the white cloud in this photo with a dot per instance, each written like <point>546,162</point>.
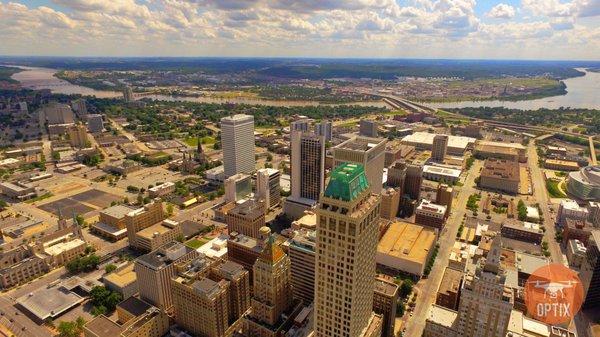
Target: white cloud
<point>502,11</point>
<point>426,28</point>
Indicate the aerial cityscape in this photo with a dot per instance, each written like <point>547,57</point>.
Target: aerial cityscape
<point>273,168</point>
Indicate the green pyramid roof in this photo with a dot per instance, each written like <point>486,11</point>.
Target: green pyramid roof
<point>346,182</point>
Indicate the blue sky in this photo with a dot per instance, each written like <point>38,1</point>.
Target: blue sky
<point>508,29</point>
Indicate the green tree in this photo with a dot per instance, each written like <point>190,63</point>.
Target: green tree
<point>169,209</point>
<point>110,268</point>
<point>406,288</point>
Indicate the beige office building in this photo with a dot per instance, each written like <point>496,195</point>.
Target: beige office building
<point>347,232</point>
<point>246,218</point>
<point>390,203</point>
<point>272,296</point>
<point>385,300</point>
<point>201,305</point>
<point>78,136</point>
<point>237,139</point>
<point>141,218</point>
<point>267,187</point>
<point>368,152</point>
<point>155,270</point>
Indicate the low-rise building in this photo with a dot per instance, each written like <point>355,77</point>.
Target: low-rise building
<point>64,248</point>
<point>570,209</point>
<point>576,229</point>
<point>441,173</point>
<point>430,214</point>
<point>499,150</point>
<point>448,292</point>
<point>123,280</point>
<point>523,231</point>
<point>500,175</point>
<point>18,190</point>
<point>406,247</point>
<point>111,223</point>
<point>161,190</point>
<point>561,165</point>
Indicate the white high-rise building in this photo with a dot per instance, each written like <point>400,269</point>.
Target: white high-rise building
<point>237,139</point>
<point>346,245</point>
<point>324,130</point>
<point>267,186</point>
<point>238,187</point>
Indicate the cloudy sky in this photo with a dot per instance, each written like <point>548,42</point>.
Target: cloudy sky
<point>505,29</point>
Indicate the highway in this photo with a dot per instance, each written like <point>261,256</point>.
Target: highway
<point>427,288</point>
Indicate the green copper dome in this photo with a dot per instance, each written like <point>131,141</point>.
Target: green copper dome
<point>346,182</point>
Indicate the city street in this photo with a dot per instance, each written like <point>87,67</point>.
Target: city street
<point>427,288</point>
<point>541,196</point>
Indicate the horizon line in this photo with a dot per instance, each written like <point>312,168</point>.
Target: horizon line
<point>299,58</point>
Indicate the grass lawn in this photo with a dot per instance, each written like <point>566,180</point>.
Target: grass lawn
<point>193,141</point>
<point>553,190</point>
<point>196,243</point>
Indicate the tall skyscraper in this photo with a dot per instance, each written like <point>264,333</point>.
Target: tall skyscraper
<point>79,106</point>
<point>590,273</point>
<point>485,302</point>
<point>347,233</point>
<point>238,187</point>
<point>155,270</point>
<point>308,172</point>
<point>302,257</point>
<point>367,128</point>
<point>397,175</point>
<point>369,153</point>
<point>267,186</point>
<point>201,305</point>
<point>128,94</point>
<point>385,300</point>
<point>413,181</point>
<point>77,136</point>
<point>439,148</point>
<point>237,139</point>
<point>444,197</point>
<point>95,123</point>
<point>272,295</point>
<point>324,129</point>
<point>299,125</point>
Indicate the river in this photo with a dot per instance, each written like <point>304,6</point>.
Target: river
<point>582,92</point>
<point>43,78</point>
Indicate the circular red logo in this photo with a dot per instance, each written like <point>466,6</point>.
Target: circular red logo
<point>553,294</point>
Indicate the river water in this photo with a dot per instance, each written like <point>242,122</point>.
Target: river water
<point>43,78</point>
<point>582,92</point>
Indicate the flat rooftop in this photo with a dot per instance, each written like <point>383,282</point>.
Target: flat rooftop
<point>425,138</point>
<point>450,281</point>
<point>159,227</point>
<point>385,286</point>
<point>164,256</point>
<point>442,316</point>
<point>407,241</point>
<point>134,306</point>
<point>501,169</point>
<point>58,248</point>
<point>102,326</point>
<point>360,143</point>
<point>443,171</point>
<point>122,276</point>
<point>49,302</point>
<point>117,211</point>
